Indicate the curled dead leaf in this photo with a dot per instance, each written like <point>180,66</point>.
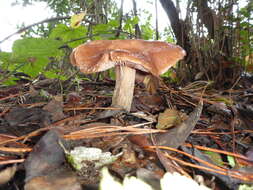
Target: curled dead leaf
<point>176,136</point>
<point>169,118</point>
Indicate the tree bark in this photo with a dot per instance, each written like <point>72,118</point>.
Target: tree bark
<point>137,27</point>
<point>207,16</point>
<point>180,30</point>
<point>178,26</point>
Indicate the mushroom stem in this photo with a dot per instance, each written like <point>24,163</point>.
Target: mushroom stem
<point>124,88</point>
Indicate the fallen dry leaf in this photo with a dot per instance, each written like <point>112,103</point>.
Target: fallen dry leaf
<point>7,174</point>
<point>176,136</point>
<point>44,166</point>
<point>169,118</point>
<point>47,155</point>
<point>55,107</point>
<point>60,179</point>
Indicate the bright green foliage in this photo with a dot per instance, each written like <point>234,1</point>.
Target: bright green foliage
<point>11,81</point>
<point>243,21</point>
<point>231,161</point>
<point>4,57</point>
<point>29,56</point>
<point>7,63</point>
<point>105,31</point>
<point>67,34</point>
<point>54,73</point>
<point>246,23</point>
<point>129,24</point>
<point>148,32</point>
<point>36,47</point>
<point>35,53</point>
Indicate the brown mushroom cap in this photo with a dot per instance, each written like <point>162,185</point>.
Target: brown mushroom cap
<point>127,56</point>
<point>153,57</point>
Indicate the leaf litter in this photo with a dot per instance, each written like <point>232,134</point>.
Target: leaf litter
<point>172,126</point>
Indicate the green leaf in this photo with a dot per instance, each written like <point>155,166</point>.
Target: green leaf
<point>128,25</point>
<point>54,74</point>
<point>215,157</point>
<point>36,48</point>
<point>135,20</point>
<point>231,161</point>
<point>34,54</point>
<point>113,23</point>
<point>66,34</point>
<point>101,28</point>
<point>147,32</point>
<point>34,69</point>
<point>10,81</point>
<point>4,57</point>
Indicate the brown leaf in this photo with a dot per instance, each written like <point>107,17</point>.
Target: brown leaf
<point>73,98</point>
<point>23,117</point>
<point>59,179</point>
<point>169,118</point>
<point>47,155</point>
<point>176,136</point>
<point>7,174</point>
<point>55,107</point>
<point>44,166</point>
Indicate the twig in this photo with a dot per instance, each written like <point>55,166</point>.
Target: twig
<point>217,151</point>
<point>90,108</point>
<point>15,150</point>
<point>34,24</point>
<point>11,161</point>
<point>98,34</point>
<point>37,23</point>
<point>245,176</point>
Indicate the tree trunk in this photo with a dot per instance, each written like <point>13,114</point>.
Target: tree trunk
<point>178,26</point>
<point>181,33</point>
<point>207,16</point>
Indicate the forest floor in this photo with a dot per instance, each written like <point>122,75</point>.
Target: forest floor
<point>169,131</point>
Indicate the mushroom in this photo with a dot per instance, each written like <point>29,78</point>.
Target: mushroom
<point>127,56</point>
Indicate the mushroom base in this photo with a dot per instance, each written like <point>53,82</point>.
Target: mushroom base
<point>124,88</point>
